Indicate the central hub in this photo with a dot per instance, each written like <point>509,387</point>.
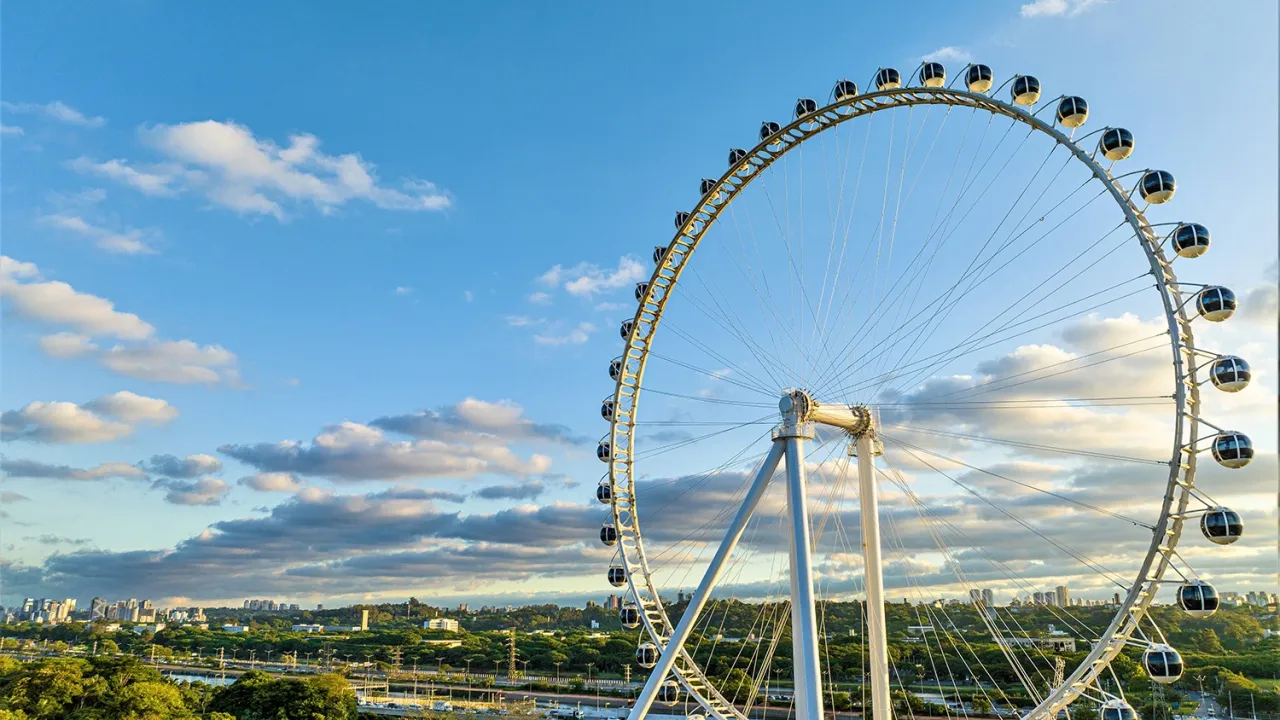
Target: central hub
<point>797,406</point>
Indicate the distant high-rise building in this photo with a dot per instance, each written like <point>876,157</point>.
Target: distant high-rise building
<point>975,596</point>
<point>97,609</point>
<point>1115,598</point>
<point>463,607</point>
<point>988,597</point>
<point>364,619</point>
<point>1038,598</point>
<point>319,607</point>
<point>613,603</point>
<point>293,607</point>
<point>1063,596</point>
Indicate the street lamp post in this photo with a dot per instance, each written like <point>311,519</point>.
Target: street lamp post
<point>558,672</point>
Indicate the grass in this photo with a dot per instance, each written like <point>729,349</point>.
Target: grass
<point>1271,684</point>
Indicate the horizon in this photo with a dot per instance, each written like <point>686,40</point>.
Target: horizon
<point>330,319</point>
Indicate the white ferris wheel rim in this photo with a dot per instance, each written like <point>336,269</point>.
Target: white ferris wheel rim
<point>629,385</point>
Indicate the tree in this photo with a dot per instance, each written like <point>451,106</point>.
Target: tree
<point>47,689</point>
<point>149,700</point>
<point>980,705</point>
<point>1206,641</point>
<point>108,647</point>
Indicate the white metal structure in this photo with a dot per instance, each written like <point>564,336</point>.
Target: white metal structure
<point>821,413</point>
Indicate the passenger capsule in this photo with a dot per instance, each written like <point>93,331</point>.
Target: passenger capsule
<point>888,79</point>
<point>625,329</point>
<point>709,187</point>
<point>737,156</point>
<point>669,692</point>
<point>1221,525</point>
<point>1116,143</point>
<point>1073,111</point>
<point>1216,303</point>
<point>682,217</point>
<point>978,78</point>
<point>1157,186</point>
<point>769,129</point>
<point>642,291</point>
<point>1232,449</point>
<point>647,655</point>
<point>604,451</point>
<point>1198,599</point>
<point>615,369</point>
<point>1025,90</point>
<point>1230,373</point>
<point>933,74</point>
<point>1116,709</point>
<point>629,616</point>
<point>604,491</point>
<point>606,409</point>
<point>1162,663</point>
<point>659,252</point>
<point>1191,240</point>
<point>617,576</point>
<point>805,107</point>
<point>608,534</point>
<point>845,89</point>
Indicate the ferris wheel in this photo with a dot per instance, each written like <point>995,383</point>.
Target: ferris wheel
<point>950,296</point>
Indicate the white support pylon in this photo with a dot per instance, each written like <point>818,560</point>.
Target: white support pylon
<point>804,617</point>
<point>881,706</point>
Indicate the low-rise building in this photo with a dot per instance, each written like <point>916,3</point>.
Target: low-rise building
<point>446,624</point>
<point>308,628</point>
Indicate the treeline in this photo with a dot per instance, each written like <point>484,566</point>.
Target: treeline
<point>110,688</point>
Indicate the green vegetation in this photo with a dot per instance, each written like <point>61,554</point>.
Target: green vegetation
<point>124,688</point>
<point>1229,650</point>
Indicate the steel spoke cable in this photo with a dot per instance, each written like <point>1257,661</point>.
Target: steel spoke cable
<point>943,309</point>
<point>967,185</point>
<point>956,569</point>
<point>920,338</point>
<point>934,361</point>
<point>1008,572</point>
<point>1027,306</point>
<point>712,374</point>
<point>909,448</point>
<point>1027,445</point>
<point>907,325</point>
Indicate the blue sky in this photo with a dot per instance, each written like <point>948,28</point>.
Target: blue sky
<point>303,217</point>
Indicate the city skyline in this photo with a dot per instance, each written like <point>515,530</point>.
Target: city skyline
<point>323,327</point>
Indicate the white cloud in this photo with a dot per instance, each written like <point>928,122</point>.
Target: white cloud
<point>204,491</point>
<point>55,110</point>
<point>466,295</point>
<point>233,168</point>
<point>1057,8</point>
<point>948,54</point>
<point>173,361</point>
<point>33,470</point>
<point>58,303</point>
<point>59,422</point>
<point>133,408</point>
<point>10,130</point>
<point>271,482</point>
<point>576,336</point>
<point>159,181</point>
<point>353,451</point>
<point>540,298</point>
<point>586,279</point>
<point>66,422</point>
<point>127,242</point>
<point>402,290</point>
<point>523,321</point>
<point>66,345</point>
<point>142,355</point>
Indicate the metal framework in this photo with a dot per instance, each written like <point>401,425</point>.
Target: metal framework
<point>626,399</point>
